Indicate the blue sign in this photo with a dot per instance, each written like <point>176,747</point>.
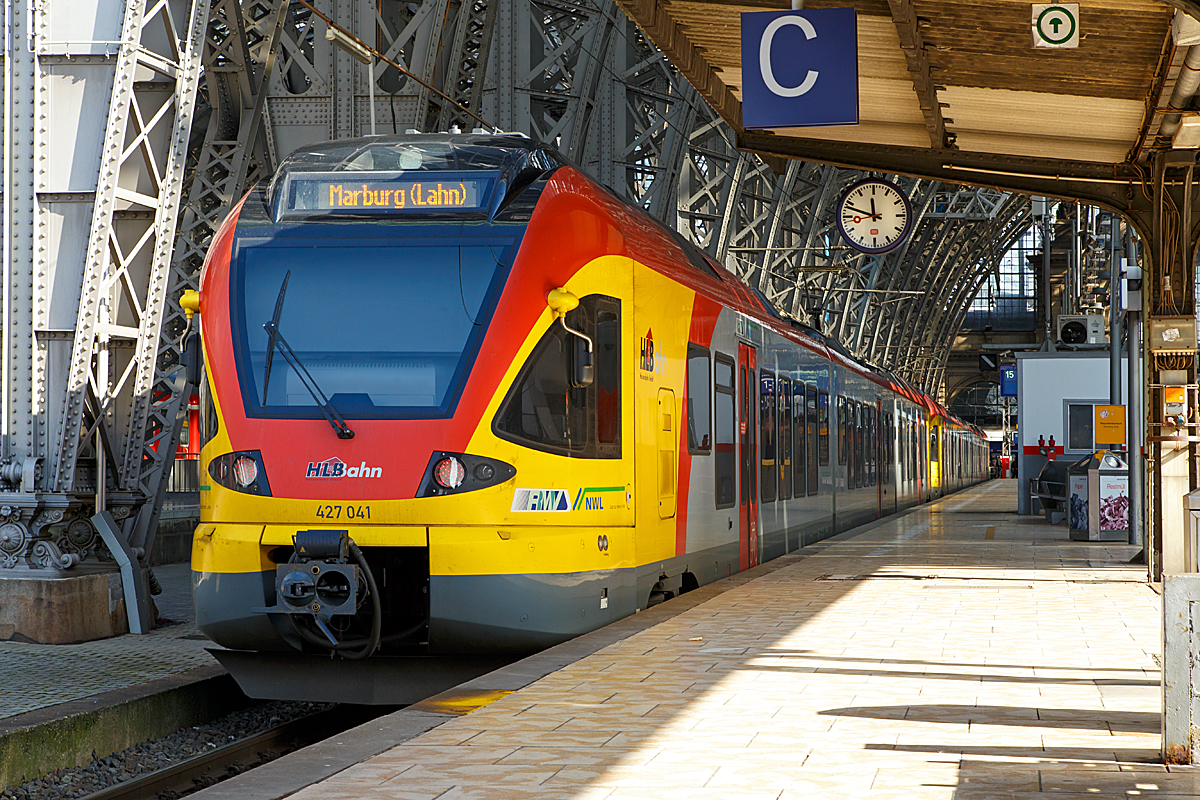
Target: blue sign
<point>1008,381</point>
<point>799,68</point>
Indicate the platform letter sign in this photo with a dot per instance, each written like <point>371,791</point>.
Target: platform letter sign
<point>1056,25</point>
<point>799,68</point>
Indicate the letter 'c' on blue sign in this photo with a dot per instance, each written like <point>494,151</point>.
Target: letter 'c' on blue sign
<point>764,57</point>
<point>799,68</point>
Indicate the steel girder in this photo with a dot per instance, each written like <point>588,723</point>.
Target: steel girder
<point>99,102</point>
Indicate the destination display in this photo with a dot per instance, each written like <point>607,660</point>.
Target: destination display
<point>344,193</point>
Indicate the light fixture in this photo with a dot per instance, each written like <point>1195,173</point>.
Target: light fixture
<point>350,45</point>
<point>360,52</point>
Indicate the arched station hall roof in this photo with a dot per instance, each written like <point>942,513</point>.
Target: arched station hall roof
<point>955,91</point>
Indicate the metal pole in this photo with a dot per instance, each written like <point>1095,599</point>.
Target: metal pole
<point>1114,319</point>
<point>1048,342</point>
<point>7,243</point>
<point>1134,421</point>
<point>371,91</point>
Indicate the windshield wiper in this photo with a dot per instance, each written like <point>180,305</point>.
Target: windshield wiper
<point>272,332</point>
<point>275,339</point>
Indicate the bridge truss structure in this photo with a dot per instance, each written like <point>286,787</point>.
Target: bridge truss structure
<point>132,126</point>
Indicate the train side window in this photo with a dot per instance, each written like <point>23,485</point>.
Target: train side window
<point>933,443</point>
<point>873,416</point>
<point>843,430</point>
<point>873,443</point>
<point>823,426</point>
<point>543,410</point>
<point>860,441</point>
<point>784,409</point>
<point>607,385</point>
<point>891,446</point>
<point>210,422</point>
<point>856,444</point>
<point>814,479</point>
<point>799,440</point>
<point>725,432</point>
<point>767,441</point>
<point>699,417</point>
<point>869,440</point>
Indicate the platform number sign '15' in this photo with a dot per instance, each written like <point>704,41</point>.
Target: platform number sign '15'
<point>799,68</point>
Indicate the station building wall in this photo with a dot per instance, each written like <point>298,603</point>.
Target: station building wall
<point>1048,386</point>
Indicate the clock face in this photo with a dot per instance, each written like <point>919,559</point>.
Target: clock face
<point>874,216</point>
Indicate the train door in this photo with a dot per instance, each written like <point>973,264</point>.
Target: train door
<point>747,455</point>
<point>666,453</point>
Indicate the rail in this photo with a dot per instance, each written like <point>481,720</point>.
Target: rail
<point>207,768</point>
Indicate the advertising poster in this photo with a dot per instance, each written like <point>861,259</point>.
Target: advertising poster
<point>1114,503</point>
<point>1079,502</point>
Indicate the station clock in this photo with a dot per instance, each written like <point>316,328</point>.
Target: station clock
<point>874,216</point>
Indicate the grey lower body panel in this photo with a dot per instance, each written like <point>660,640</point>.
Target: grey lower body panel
<point>524,613</point>
<point>223,601</point>
<point>381,680</point>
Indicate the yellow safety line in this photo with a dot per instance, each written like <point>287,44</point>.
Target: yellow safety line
<point>460,702</point>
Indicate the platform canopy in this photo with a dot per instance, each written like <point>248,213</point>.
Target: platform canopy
<point>957,91</point>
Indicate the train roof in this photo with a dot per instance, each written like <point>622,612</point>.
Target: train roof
<point>421,152</point>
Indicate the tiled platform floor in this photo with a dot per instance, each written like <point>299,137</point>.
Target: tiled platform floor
<point>42,675</point>
<point>956,652</point>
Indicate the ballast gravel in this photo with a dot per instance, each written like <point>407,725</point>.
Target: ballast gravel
<point>75,782</point>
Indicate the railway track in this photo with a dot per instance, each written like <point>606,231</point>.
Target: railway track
<point>223,762</point>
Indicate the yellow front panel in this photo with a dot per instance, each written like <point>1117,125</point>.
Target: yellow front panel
<point>363,535</point>
<point>229,548</point>
<point>500,551</point>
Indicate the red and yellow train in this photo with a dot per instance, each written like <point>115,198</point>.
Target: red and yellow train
<point>460,402</point>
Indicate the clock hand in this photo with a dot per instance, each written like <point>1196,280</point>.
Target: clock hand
<point>871,214</point>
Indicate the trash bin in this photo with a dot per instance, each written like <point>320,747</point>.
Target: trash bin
<point>1099,498</point>
<point>1050,490</point>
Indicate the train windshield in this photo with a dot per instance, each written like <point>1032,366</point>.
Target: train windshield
<point>383,330</point>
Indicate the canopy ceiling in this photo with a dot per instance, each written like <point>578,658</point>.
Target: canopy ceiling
<point>955,90</point>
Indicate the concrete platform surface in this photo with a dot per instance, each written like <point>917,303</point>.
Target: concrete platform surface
<point>38,676</point>
<point>957,651</point>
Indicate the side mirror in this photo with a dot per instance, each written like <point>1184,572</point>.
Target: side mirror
<point>583,370</point>
<point>193,359</point>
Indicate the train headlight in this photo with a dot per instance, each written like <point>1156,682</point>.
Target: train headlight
<point>245,471</point>
<point>455,473</point>
<point>242,471</point>
<point>449,473</point>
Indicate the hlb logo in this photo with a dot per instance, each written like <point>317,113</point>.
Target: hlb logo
<point>334,468</point>
<point>650,360</point>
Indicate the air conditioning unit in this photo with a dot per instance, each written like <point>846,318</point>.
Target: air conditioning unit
<point>1081,329</point>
